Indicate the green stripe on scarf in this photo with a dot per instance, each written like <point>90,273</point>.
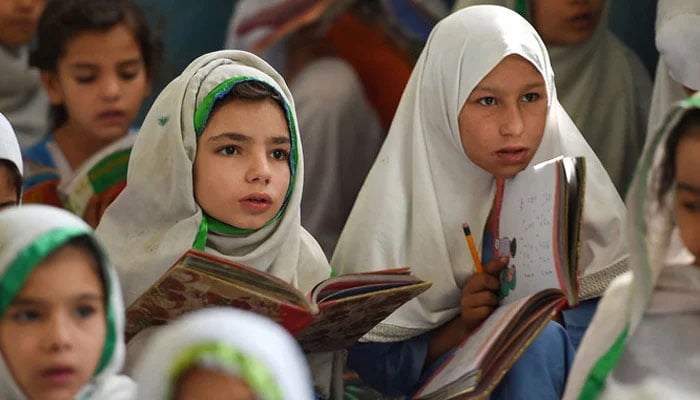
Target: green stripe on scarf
<point>595,383</point>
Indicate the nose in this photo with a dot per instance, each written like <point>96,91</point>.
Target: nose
<point>512,123</point>
<point>58,334</point>
<point>258,169</point>
<point>111,87</point>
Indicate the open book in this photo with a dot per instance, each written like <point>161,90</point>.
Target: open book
<point>334,314</point>
<point>102,175</point>
<point>539,229</point>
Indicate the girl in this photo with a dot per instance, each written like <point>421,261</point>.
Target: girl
<point>602,83</point>
<point>10,165</point>
<point>97,61</point>
<point>22,99</point>
<point>223,353</point>
<point>480,106</point>
<point>217,166</point>
<point>61,312</point>
<point>643,340</point>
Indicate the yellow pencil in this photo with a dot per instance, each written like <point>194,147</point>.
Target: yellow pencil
<point>472,248</point>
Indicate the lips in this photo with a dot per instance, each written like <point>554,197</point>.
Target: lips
<point>582,21</point>
<point>512,154</point>
<point>59,374</point>
<point>256,203</point>
<point>112,116</point>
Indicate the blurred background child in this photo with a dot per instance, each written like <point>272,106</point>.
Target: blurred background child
<point>22,98</point>
<point>61,312</point>
<point>223,354</point>
<point>97,59</point>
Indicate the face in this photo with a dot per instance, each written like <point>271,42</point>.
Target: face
<point>566,22</point>
<point>101,81</point>
<point>18,21</point>
<point>210,384</point>
<point>687,202</point>
<point>241,169</point>
<point>502,121</point>
<point>52,334</point>
<point>8,191</point>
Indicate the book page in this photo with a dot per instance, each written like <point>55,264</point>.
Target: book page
<point>528,232</point>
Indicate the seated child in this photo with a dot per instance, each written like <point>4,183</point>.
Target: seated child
<point>97,61</point>
<point>61,312</point>
<point>643,341</point>
<point>22,99</point>
<point>480,107</point>
<point>223,353</point>
<point>217,166</point>
<point>10,166</point>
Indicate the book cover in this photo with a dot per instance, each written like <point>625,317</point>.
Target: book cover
<point>334,315</point>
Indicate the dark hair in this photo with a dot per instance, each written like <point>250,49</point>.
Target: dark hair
<point>63,20</point>
<point>667,173</point>
<point>86,244</point>
<point>15,176</point>
<point>251,91</point>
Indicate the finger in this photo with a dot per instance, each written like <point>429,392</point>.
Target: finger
<point>480,299</point>
<point>475,316</point>
<point>495,266</point>
<point>480,282</point>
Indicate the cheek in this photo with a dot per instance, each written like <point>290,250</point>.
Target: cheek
<point>689,227</point>
<point>17,346</point>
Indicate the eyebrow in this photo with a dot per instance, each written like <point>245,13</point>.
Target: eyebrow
<point>30,301</point>
<point>687,187</point>
<point>238,137</point>
<point>127,63</point>
<point>529,86</point>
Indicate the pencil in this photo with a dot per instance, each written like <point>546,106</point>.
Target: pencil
<point>472,248</point>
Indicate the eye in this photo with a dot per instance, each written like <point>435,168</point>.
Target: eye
<point>85,79</point>
<point>128,75</point>
<point>280,154</point>
<point>487,101</point>
<point>530,97</point>
<point>691,206</point>
<point>26,315</point>
<point>228,150</point>
<point>85,311</point>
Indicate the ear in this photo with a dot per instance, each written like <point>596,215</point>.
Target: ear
<point>52,86</point>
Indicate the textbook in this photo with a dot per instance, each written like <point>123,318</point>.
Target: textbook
<point>102,175</point>
<point>539,229</point>
<point>334,314</point>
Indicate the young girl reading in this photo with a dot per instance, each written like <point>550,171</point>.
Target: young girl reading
<point>602,83</point>
<point>97,59</point>
<point>61,312</point>
<point>223,353</point>
<point>480,106</point>
<point>217,166</point>
<point>10,165</point>
<point>643,340</point>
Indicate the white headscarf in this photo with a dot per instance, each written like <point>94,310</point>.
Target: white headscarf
<point>229,340</point>
<point>27,235</point>
<point>156,218</point>
<point>9,147</point>
<point>652,288</point>
<point>678,42</point>
<point>605,89</point>
<point>423,186</point>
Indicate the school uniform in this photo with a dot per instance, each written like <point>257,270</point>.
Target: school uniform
<point>643,341</point>
<point>604,88</point>
<point>423,187</point>
<point>28,235</point>
<point>156,218</point>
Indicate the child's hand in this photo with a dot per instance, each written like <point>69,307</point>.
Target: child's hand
<point>480,294</point>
